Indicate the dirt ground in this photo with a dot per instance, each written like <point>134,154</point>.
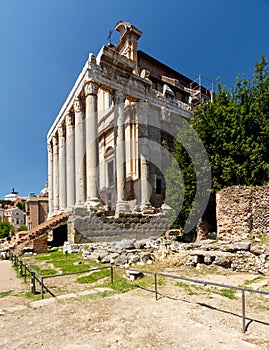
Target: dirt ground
<point>133,320</point>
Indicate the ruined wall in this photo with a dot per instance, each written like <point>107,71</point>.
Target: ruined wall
<point>40,244</point>
<point>242,212</point>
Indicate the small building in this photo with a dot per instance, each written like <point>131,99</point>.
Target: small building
<point>14,216</point>
<point>36,211</point>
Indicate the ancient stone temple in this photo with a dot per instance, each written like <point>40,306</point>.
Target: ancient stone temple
<point>110,144</point>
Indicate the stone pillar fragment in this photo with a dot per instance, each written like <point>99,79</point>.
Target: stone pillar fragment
<point>55,174</point>
<point>50,178</point>
<point>92,162</point>
<point>62,168</point>
<point>120,156</point>
<point>70,161</point>
<point>80,153</point>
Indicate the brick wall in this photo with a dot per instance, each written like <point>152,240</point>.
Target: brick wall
<point>40,244</point>
<point>242,212</point>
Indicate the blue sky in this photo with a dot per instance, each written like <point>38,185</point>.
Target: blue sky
<point>45,44</point>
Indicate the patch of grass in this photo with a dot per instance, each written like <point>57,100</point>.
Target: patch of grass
<point>29,295</point>
<point>122,285</point>
<point>5,294</point>
<point>55,256</point>
<point>67,262</point>
<point>259,239</point>
<point>249,282</point>
<point>44,272</point>
<point>188,288</point>
<point>94,277</point>
<point>224,292</point>
<point>191,289</point>
<point>263,307</point>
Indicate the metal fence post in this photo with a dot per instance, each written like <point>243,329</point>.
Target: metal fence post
<point>112,274</point>
<point>20,269</point>
<point>25,273</point>
<point>243,312</point>
<point>42,288</point>
<point>32,282</point>
<point>155,286</point>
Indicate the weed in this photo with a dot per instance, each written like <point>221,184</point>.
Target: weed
<point>5,294</point>
<point>263,307</point>
<point>228,293</point>
<point>187,287</point>
<point>248,282</point>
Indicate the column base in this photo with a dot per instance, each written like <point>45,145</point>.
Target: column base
<point>147,208</point>
<point>94,204</point>
<point>122,207</point>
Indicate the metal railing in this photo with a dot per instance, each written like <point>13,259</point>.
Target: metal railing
<point>35,276</point>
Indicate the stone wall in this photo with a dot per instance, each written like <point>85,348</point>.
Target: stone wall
<point>88,227</point>
<point>242,212</point>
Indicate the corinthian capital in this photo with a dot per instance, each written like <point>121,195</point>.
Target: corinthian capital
<point>61,130</point>
<point>69,119</point>
<point>49,145</point>
<point>118,97</point>
<point>91,88</point>
<point>54,141</point>
<point>78,106</point>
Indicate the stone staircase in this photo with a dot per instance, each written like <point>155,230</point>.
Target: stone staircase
<point>36,239</point>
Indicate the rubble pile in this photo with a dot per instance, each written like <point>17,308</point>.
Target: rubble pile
<point>241,256</point>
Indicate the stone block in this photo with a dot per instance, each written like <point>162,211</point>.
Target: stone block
<point>242,245</point>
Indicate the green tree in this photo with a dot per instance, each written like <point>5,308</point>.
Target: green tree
<point>234,130</point>
<point>5,229</point>
<point>21,205</point>
<point>22,228</point>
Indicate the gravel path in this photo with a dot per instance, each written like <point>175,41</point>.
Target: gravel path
<point>8,280</point>
<point>128,321</point>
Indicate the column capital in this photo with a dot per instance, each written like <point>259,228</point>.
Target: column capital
<point>69,119</point>
<point>118,97</point>
<point>54,140</point>
<point>91,88</point>
<point>49,146</point>
<point>78,106</point>
<point>61,130</point>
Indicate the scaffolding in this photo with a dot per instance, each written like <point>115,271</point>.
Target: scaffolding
<point>200,90</point>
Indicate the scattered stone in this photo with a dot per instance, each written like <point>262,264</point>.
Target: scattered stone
<point>132,274</point>
<point>238,256</point>
<point>121,260</point>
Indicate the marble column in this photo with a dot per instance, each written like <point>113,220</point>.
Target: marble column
<point>92,162</point>
<point>120,155</point>
<point>50,178</point>
<point>55,174</point>
<point>70,161</point>
<point>62,168</point>
<point>145,205</point>
<point>80,153</point>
